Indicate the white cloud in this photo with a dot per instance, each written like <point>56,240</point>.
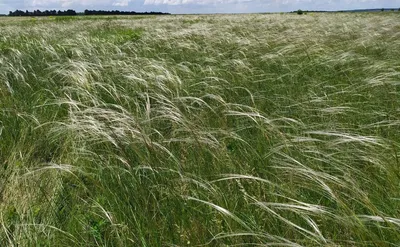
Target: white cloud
<point>73,3</point>
<point>198,2</point>
<point>121,3</point>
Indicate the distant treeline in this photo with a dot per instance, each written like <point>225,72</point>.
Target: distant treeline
<point>71,12</point>
<point>117,12</point>
<point>341,11</point>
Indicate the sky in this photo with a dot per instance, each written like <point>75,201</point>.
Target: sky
<point>197,6</point>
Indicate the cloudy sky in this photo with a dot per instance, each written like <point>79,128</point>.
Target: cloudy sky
<point>197,6</point>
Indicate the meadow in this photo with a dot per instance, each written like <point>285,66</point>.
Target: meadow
<point>200,130</point>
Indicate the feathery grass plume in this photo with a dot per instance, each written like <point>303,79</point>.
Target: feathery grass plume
<point>225,130</point>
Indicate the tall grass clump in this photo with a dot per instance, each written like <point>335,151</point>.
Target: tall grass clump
<point>231,130</point>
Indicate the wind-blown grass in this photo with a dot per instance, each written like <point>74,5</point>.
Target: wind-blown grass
<point>262,130</point>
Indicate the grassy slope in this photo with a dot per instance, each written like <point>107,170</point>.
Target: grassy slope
<point>185,130</point>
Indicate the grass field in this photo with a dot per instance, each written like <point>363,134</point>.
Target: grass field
<point>225,130</point>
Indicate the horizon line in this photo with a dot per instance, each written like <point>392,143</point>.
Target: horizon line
<point>200,13</point>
